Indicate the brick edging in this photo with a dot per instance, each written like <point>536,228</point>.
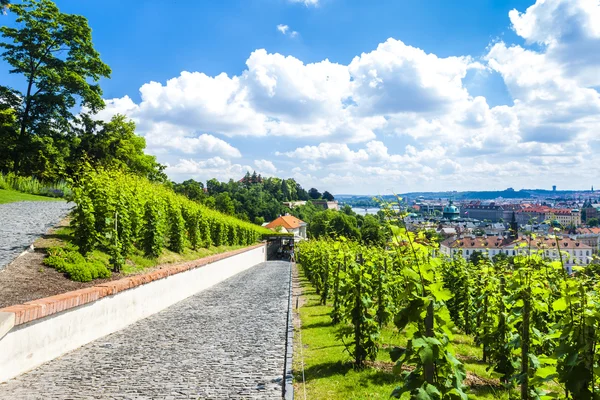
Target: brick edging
<point>37,309</point>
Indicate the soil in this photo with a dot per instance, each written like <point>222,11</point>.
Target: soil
<point>26,278</point>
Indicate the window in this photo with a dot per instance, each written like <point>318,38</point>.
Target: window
<point>514,253</point>
<point>467,252</point>
<point>587,252</point>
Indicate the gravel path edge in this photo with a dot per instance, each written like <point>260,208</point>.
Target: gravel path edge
<point>288,386</point>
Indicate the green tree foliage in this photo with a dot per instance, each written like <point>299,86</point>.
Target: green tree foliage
<point>333,224</point>
<point>372,232</point>
<point>285,191</point>
<point>305,212</point>
<point>593,222</point>
<point>191,189</point>
<point>314,194</point>
<point>224,204</point>
<point>328,196</point>
<point>253,198</point>
<point>53,51</point>
<point>114,145</point>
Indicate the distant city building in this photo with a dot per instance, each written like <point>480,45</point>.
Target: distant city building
<point>451,212</point>
<point>293,204</point>
<point>588,236</point>
<point>577,253</point>
<point>491,212</point>
<point>539,214</point>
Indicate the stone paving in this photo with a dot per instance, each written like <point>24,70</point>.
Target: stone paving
<point>22,222</point>
<point>227,342</point>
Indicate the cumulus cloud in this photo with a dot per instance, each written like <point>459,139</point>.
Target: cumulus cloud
<point>398,78</point>
<point>203,170</point>
<point>395,116</point>
<point>570,30</point>
<point>265,167</point>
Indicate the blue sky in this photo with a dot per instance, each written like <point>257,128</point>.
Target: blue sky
<point>427,95</point>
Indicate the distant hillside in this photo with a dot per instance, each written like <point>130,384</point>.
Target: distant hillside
<point>367,201</point>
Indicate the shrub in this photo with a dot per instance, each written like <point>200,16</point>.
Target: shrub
<point>79,268</point>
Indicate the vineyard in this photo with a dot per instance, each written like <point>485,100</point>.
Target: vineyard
<point>535,323</point>
<point>119,213</point>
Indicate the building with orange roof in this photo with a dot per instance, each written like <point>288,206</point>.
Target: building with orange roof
<point>574,251</point>
<point>290,224</point>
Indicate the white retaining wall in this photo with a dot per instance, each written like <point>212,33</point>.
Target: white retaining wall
<point>32,344</point>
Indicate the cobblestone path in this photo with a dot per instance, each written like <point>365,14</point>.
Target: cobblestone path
<point>21,223</point>
<point>227,342</point>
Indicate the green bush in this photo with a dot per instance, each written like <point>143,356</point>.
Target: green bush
<point>121,213</point>
<point>79,268</point>
<point>27,184</point>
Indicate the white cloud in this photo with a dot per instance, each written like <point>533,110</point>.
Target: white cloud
<point>336,152</point>
<point>396,116</point>
<point>397,78</point>
<point>307,3</point>
<point>283,28</point>
<point>265,167</point>
<point>570,30</point>
<point>203,170</point>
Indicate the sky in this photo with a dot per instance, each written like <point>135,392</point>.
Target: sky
<point>355,96</point>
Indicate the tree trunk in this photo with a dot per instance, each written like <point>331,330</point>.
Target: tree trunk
<point>17,156</point>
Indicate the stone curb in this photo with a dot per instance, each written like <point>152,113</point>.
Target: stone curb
<point>288,377</point>
<point>41,308</point>
<point>7,321</point>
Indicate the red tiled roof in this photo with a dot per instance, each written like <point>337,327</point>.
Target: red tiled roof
<point>287,221</point>
<point>495,242</point>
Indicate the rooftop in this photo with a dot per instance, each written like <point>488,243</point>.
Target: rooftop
<point>287,221</point>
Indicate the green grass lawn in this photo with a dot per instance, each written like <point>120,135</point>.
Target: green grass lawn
<point>328,370</point>
<point>10,196</point>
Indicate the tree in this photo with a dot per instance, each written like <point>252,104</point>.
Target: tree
<point>301,194</point>
<point>372,232</point>
<point>285,190</point>
<point>328,196</point>
<point>55,54</point>
<point>334,224</point>
<point>115,145</point>
<point>346,209</point>
<point>224,203</point>
<point>214,187</point>
<point>191,189</point>
<point>314,194</point>
<point>593,222</point>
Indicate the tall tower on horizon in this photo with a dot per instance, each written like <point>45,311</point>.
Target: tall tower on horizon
<point>554,188</point>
